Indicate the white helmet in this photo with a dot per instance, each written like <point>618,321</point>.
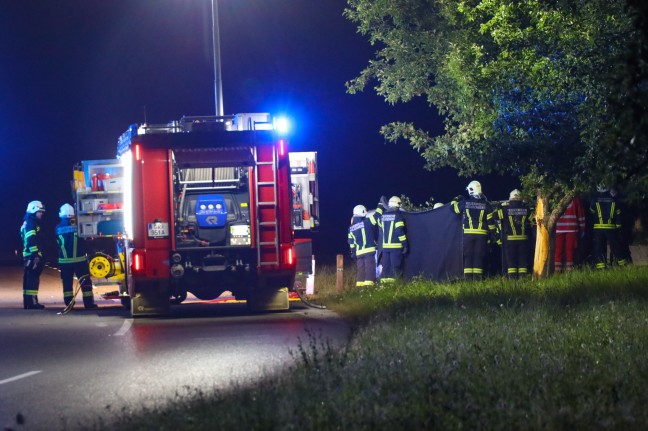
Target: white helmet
<point>35,206</point>
<point>359,211</point>
<point>515,195</point>
<point>474,188</point>
<point>394,202</point>
<point>601,188</point>
<point>437,205</point>
<point>66,211</point>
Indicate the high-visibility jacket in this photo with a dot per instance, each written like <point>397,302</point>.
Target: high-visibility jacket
<point>573,219</point>
<point>393,230</point>
<point>606,211</point>
<point>362,235</point>
<point>31,237</point>
<point>514,219</point>
<point>477,216</point>
<point>70,246</point>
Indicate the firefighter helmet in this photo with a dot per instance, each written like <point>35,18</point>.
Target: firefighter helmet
<point>515,195</point>
<point>66,211</point>
<point>35,206</point>
<point>359,211</point>
<point>437,205</point>
<point>474,188</point>
<point>601,188</point>
<point>394,202</point>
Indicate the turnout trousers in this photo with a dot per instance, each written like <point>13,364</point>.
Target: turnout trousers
<point>366,269</point>
<point>603,238</point>
<point>516,257</point>
<point>82,271</point>
<point>391,264</point>
<point>31,281</point>
<point>475,250</point>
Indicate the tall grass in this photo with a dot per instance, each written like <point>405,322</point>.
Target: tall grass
<point>565,353</point>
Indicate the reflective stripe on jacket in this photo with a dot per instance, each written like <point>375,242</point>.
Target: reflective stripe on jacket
<point>362,235</point>
<point>606,211</point>
<point>69,243</point>
<point>514,220</point>
<point>477,216</point>
<point>30,234</point>
<point>573,219</point>
<point>392,227</point>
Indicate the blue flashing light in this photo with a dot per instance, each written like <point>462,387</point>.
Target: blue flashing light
<point>124,141</point>
<point>281,125</point>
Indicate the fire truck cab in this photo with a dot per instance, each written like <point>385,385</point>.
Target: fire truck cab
<point>208,206</point>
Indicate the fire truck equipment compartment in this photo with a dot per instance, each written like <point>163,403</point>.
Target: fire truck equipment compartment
<point>211,211</point>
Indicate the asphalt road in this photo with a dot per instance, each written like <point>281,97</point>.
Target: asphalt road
<point>59,371</point>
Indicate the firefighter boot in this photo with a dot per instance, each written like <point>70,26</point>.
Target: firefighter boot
<point>30,302</point>
<point>88,300</point>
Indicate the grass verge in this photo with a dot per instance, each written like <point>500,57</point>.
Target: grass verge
<point>568,352</point>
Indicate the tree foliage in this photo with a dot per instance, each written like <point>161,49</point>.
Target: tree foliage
<point>553,91</point>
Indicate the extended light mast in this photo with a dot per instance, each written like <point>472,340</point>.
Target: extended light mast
<point>218,81</point>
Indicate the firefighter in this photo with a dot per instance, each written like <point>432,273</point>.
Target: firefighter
<point>32,254</point>
<point>72,258</point>
<point>478,229</point>
<point>607,223</point>
<point>393,234</point>
<point>625,231</point>
<point>514,221</point>
<point>362,242</point>
<point>570,228</point>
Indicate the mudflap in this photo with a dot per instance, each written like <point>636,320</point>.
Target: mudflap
<point>150,299</point>
<point>269,299</point>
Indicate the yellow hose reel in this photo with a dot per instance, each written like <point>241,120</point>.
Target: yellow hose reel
<point>104,266</point>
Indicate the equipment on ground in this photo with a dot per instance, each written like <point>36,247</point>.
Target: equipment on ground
<point>77,288</point>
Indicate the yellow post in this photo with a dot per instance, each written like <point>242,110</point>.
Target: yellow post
<point>339,279</point>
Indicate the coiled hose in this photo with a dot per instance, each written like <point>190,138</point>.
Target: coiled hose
<point>70,306</point>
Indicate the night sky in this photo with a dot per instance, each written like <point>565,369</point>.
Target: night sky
<point>75,73</point>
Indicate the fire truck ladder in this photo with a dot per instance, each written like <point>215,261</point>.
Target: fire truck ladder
<point>267,230</point>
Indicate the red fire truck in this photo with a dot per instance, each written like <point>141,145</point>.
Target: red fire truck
<point>202,205</point>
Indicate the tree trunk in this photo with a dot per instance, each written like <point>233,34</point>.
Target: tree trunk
<point>541,257</point>
<point>546,220</point>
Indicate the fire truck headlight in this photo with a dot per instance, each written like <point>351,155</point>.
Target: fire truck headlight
<point>282,125</point>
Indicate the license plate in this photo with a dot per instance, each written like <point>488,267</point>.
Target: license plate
<point>158,230</point>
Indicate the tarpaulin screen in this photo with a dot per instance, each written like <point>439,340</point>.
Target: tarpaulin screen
<point>435,243</point>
